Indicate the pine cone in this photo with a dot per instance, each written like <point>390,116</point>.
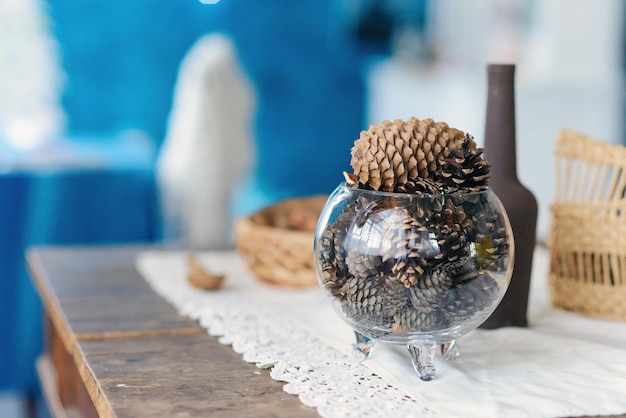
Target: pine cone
<point>332,253</point>
<point>363,208</point>
<point>464,169</point>
<point>409,270</point>
<point>431,237</point>
<point>365,301</point>
<point>408,246</point>
<point>465,300</point>
<point>362,265</point>
<point>340,229</point>
<point>395,227</point>
<point>387,155</point>
<point>433,142</point>
<point>451,226</point>
<point>412,320</point>
<point>494,247</point>
<point>430,290</point>
<point>489,232</point>
<point>419,186</point>
<point>332,276</point>
<point>396,294</point>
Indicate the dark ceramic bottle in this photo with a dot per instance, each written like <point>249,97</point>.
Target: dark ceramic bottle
<point>519,202</point>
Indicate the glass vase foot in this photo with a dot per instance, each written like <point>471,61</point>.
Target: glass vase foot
<point>422,356</point>
<point>362,349</point>
<point>450,350</point>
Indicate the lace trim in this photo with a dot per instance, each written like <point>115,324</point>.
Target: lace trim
<point>526,372</point>
<point>322,376</point>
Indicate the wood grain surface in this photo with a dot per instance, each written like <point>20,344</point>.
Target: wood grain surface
<point>133,354</point>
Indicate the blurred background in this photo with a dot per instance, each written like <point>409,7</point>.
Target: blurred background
<point>160,122</point>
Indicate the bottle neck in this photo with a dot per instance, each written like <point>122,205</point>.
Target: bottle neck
<point>500,123</point>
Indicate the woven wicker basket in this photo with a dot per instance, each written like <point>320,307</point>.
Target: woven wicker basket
<point>588,229</point>
<point>277,242</point>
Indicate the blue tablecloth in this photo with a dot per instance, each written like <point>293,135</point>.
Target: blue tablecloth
<point>72,192</point>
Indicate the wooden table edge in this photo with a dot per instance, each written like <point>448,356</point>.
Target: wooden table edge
<point>51,303</point>
<point>70,340</point>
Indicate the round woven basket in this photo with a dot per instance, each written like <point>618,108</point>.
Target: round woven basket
<point>588,228</point>
<point>277,242</point>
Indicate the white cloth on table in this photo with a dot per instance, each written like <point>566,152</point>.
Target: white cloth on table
<point>564,364</point>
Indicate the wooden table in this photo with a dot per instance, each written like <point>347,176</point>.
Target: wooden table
<point>114,348</point>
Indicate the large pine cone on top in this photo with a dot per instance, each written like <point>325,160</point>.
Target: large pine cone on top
<point>389,155</point>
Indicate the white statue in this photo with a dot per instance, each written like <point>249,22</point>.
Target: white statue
<point>208,145</point>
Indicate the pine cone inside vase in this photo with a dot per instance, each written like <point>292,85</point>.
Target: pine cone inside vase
<point>332,275</point>
<point>332,252</point>
<point>470,297</point>
<point>361,265</point>
<point>365,300</point>
<point>488,232</point>
<point>492,246</point>
<point>451,228</point>
<point>405,243</point>
<point>336,263</point>
<point>430,290</point>
<point>409,320</point>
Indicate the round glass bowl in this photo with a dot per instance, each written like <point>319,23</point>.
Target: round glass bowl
<point>417,270</point>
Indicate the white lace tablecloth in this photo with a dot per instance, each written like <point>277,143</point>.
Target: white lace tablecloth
<point>564,364</point>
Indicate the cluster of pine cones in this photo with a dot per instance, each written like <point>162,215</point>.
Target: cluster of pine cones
<point>436,240</point>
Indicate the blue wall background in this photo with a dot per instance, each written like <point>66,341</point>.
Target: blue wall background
<point>121,60</point>
<point>302,56</point>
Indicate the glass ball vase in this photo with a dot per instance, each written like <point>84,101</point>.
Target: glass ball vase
<point>414,269</point>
